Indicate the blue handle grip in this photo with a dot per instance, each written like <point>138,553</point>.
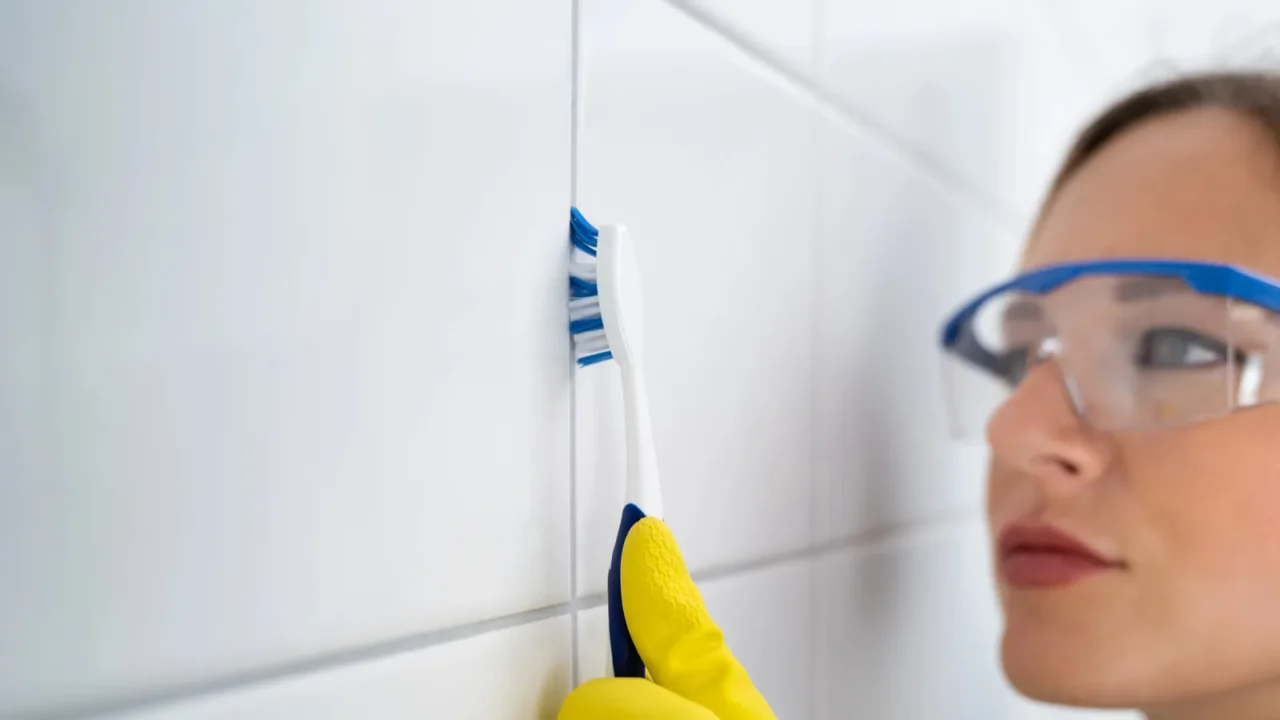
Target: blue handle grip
<point>626,658</point>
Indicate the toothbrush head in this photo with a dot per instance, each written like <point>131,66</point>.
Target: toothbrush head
<point>604,294</point>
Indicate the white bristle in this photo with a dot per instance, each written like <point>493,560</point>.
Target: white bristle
<point>584,310</point>
<point>590,343</point>
<point>583,269</point>
<point>588,336</point>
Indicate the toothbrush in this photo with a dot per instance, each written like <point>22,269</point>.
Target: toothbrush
<point>605,317</point>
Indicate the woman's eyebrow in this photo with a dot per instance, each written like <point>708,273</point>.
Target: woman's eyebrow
<point>1146,288</point>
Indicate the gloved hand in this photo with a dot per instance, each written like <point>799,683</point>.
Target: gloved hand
<point>694,676</point>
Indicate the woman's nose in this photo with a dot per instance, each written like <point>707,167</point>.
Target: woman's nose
<point>1039,432</point>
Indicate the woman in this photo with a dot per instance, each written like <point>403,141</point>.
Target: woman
<point>1127,382</point>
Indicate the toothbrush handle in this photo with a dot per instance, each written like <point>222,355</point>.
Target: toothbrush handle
<point>643,488</point>
<point>625,660</point>
<point>643,497</point>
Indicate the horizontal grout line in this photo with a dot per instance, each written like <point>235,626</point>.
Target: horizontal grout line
<point>888,537</point>
<point>852,116</point>
<point>186,692</point>
<point>592,601</point>
<point>876,540</point>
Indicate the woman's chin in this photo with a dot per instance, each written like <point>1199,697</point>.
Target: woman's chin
<point>1062,669</point>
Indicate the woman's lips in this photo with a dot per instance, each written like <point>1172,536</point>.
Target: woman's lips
<point>1041,556</point>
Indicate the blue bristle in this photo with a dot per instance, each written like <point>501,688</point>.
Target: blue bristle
<point>584,237</point>
<point>582,288</point>
<point>582,233</point>
<point>586,324</point>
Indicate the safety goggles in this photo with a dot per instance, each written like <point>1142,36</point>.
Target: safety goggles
<point>1136,344</point>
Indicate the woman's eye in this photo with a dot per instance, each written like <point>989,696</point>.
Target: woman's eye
<point>1176,348</point>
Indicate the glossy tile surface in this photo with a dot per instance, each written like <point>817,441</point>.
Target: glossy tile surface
<point>784,30</point>
<point>708,160</point>
<point>897,252</point>
<point>515,674</point>
<point>987,92</point>
<point>286,367</point>
<point>908,630</point>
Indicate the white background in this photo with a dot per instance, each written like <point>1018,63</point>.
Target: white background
<point>288,425</point>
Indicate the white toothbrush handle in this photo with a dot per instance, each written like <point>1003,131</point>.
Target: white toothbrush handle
<point>643,487</point>
<point>642,490</point>
<point>622,314</point>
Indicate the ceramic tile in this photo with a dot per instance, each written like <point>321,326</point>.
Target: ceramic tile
<point>287,286</point>
<point>908,629</point>
<point>783,30</point>
<point>518,673</point>
<point>1027,710</point>
<point>897,252</point>
<point>708,160</point>
<point>1143,40</point>
<point>983,91</point>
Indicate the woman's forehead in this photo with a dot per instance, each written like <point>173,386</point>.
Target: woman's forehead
<point>1197,185</point>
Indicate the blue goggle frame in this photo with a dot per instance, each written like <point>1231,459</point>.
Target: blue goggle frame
<point>1204,277</point>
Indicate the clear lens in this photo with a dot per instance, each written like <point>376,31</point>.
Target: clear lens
<point>1136,351</point>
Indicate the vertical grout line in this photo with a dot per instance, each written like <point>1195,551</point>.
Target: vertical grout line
<point>817,468</point>
<point>818,665</point>
<point>816,44</point>
<point>575,85</point>
<point>575,70</point>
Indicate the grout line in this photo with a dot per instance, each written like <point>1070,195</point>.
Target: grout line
<point>872,541</point>
<point>574,105</point>
<point>877,540</point>
<point>374,652</point>
<point>852,116</point>
<point>819,481</point>
<point>817,42</point>
<point>592,601</point>
<point>575,85</point>
<point>889,537</point>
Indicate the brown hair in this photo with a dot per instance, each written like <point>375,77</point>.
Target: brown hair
<point>1255,94</point>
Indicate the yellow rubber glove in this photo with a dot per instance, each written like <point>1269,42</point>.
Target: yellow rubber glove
<point>695,677</point>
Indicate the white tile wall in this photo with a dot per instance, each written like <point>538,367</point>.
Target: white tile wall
<point>982,88</point>
<point>709,161</point>
<point>895,249</point>
<point>891,637</point>
<point>272,404</point>
<point>285,423</point>
<point>781,30</point>
<point>1145,39</point>
<point>513,673</point>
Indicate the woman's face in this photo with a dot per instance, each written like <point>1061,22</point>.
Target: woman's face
<point>1189,613</point>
